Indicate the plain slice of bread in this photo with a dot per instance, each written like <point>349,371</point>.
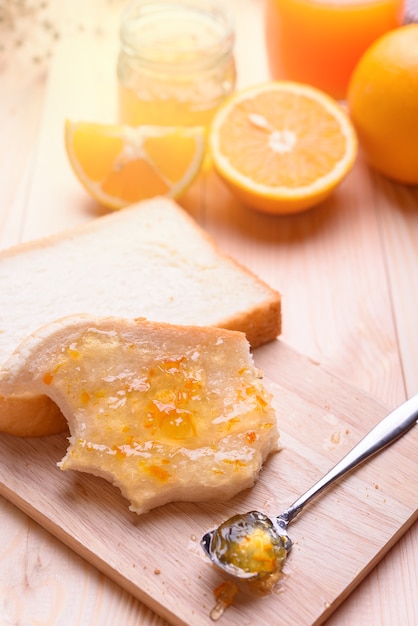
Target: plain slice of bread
<point>151,260</point>
<point>164,412</point>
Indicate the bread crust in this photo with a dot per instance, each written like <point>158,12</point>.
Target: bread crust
<point>30,416</point>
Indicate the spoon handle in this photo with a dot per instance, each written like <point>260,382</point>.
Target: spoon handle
<point>385,432</point>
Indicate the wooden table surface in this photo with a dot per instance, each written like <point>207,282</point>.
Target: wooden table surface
<point>348,272</point>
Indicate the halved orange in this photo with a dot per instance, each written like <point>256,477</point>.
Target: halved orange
<point>282,147</point>
<point>120,165</point>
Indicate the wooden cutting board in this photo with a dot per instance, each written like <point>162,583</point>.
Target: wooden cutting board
<point>157,558</point>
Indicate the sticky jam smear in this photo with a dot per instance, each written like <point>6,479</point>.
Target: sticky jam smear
<point>224,595</point>
<point>146,407</point>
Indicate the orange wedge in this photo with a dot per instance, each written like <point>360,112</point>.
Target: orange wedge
<point>119,165</point>
<point>282,147</point>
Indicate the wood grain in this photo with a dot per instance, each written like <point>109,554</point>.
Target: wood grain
<point>347,271</point>
<point>156,557</point>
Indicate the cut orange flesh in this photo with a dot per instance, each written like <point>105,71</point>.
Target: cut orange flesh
<point>120,165</point>
<point>282,147</point>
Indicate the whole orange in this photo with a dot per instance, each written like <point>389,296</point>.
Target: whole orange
<point>383,104</point>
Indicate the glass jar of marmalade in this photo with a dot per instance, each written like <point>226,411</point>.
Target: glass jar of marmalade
<point>176,62</point>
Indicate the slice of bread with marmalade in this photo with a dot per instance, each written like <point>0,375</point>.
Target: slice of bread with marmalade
<point>150,260</point>
<point>164,412</point>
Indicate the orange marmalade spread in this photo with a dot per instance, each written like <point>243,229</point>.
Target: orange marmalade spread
<point>196,423</point>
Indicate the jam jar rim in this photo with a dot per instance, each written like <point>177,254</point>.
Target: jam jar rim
<point>207,56</point>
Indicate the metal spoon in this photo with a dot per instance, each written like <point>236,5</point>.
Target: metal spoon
<point>254,546</point>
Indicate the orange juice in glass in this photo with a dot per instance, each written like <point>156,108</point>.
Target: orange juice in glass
<point>320,41</point>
